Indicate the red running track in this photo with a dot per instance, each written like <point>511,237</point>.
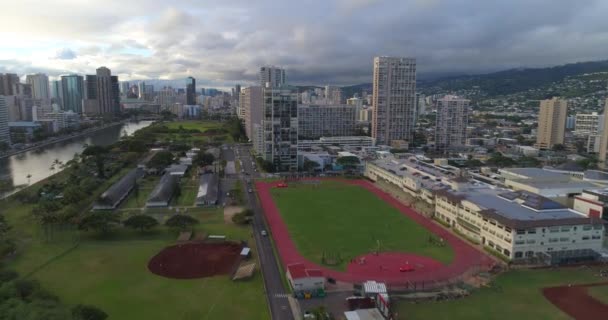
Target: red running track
<point>385,266</point>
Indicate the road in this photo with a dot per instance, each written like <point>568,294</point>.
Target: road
<point>275,292</point>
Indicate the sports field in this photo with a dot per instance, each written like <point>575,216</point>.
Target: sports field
<point>339,218</point>
<point>514,295</point>
<point>600,293</point>
<point>199,125</point>
<point>112,273</point>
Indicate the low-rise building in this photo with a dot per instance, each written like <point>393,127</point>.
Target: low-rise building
<point>556,186</point>
<point>111,198</point>
<point>520,224</point>
<point>208,190</point>
<point>593,203</point>
<point>302,279</point>
<point>163,192</point>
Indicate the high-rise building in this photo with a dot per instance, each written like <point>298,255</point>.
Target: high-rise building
<point>124,87</point>
<point>4,132</point>
<point>40,85</point>
<point>141,87</point>
<point>333,95</point>
<point>280,128</point>
<point>394,99</point>
<point>166,97</point>
<point>56,92</point>
<point>588,124</point>
<point>237,92</point>
<point>272,76</point>
<point>190,91</point>
<point>603,153</point>
<point>8,84</point>
<point>551,123</point>
<point>316,121</point>
<point>251,105</point>
<point>451,122</point>
<point>72,88</point>
<point>107,91</point>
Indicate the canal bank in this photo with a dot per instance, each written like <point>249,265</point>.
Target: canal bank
<point>52,141</point>
<point>31,166</point>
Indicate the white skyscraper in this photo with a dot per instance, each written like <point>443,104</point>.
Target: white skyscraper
<point>273,76</point>
<point>394,99</point>
<point>451,123</point>
<point>40,85</point>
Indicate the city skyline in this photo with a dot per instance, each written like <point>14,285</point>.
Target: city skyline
<point>224,44</point>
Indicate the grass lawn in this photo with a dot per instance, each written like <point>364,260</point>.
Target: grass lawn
<point>111,272</point>
<point>200,125</point>
<point>339,218</point>
<point>520,297</point>
<point>600,293</point>
<point>187,197</point>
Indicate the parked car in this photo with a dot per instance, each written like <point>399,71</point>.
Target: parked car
<point>264,233</point>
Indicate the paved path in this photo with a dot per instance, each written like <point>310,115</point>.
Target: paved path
<point>277,296</point>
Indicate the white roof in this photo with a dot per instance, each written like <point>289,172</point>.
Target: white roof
<point>374,287</point>
<point>364,314</point>
<point>245,251</point>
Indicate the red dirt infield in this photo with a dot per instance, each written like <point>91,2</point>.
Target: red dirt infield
<point>195,260</point>
<point>576,301</point>
<point>385,266</point>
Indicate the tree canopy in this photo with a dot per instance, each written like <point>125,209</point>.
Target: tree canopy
<point>203,159</point>
<point>99,221</point>
<point>181,221</point>
<point>141,222</point>
<point>161,160</point>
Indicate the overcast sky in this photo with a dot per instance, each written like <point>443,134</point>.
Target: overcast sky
<point>223,42</point>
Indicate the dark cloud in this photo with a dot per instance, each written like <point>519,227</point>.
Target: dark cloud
<point>327,42</point>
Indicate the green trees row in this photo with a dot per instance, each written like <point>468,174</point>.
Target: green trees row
<point>103,222</point>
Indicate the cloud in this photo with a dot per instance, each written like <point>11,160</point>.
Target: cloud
<point>317,41</point>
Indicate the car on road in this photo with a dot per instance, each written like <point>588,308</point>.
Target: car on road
<point>264,233</point>
<point>250,191</point>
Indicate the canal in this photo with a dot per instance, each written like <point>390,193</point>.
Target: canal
<point>38,163</point>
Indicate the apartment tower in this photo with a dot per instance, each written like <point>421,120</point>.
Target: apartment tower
<point>451,122</point>
<point>551,123</point>
<point>394,99</point>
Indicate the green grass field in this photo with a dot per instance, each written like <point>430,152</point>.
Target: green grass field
<point>111,272</point>
<point>200,125</point>
<point>600,293</point>
<point>338,218</point>
<point>520,297</point>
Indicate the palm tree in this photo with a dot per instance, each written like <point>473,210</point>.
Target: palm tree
<point>29,176</point>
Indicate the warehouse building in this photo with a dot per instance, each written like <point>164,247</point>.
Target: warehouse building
<point>163,191</point>
<point>208,190</point>
<point>111,198</point>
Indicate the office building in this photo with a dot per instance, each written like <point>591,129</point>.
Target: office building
<point>108,93</point>
<point>190,91</point>
<point>57,92</point>
<point>451,123</point>
<point>9,83</point>
<point>280,128</point>
<point>125,86</point>
<point>551,123</point>
<point>73,92</point>
<point>237,91</point>
<point>272,76</point>
<point>40,85</point>
<point>141,90</point>
<point>394,98</point>
<point>316,121</point>
<point>588,124</point>
<point>4,131</point>
<point>250,104</point>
